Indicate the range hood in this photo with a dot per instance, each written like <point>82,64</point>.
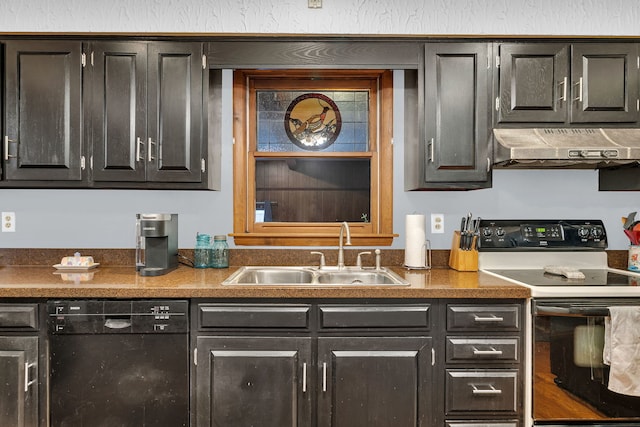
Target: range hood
<point>584,148</point>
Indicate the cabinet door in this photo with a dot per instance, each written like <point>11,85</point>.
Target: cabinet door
<point>18,384</point>
<point>533,85</point>
<point>175,107</point>
<point>118,90</point>
<point>374,382</point>
<point>253,381</point>
<point>604,80</point>
<point>43,117</point>
<point>456,109</point>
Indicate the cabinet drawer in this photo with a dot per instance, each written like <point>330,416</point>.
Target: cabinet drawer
<point>490,349</point>
<point>483,318</point>
<point>19,316</point>
<point>487,423</point>
<point>486,391</point>
<point>374,316</point>
<point>254,316</point>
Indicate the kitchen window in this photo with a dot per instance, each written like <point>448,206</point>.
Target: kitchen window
<point>312,148</point>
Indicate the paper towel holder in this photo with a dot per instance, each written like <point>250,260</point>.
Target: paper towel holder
<point>427,260</point>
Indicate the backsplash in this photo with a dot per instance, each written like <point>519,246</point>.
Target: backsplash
<point>239,257</point>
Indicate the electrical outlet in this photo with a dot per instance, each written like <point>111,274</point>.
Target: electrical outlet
<point>315,4</point>
<point>437,223</point>
<point>8,222</point>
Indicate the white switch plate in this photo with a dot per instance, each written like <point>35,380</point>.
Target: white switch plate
<point>315,4</point>
<point>437,223</point>
<point>8,222</point>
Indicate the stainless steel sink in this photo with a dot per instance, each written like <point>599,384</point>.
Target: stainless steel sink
<point>358,278</point>
<point>314,276</point>
<point>270,276</point>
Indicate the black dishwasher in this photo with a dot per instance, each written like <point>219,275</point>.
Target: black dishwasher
<point>119,363</point>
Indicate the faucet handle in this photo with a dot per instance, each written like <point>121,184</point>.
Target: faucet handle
<point>378,256</point>
<point>359,259</point>
<point>322,260</point>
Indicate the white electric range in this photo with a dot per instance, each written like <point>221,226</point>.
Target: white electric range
<point>522,250</point>
<point>564,263</point>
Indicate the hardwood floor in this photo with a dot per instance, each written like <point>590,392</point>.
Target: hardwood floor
<point>551,401</point>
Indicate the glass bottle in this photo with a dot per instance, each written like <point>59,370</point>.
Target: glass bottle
<point>219,252</point>
<point>201,251</point>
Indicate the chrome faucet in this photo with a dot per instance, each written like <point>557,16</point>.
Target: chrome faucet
<point>344,226</point>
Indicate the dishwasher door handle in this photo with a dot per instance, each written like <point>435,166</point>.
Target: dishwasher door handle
<point>117,323</point>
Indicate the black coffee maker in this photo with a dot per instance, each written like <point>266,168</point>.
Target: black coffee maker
<point>156,243</point>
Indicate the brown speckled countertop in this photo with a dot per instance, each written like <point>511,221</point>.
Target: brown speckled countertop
<point>28,273</point>
<point>187,282</point>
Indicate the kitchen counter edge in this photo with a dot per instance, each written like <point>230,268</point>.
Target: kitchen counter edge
<point>187,282</point>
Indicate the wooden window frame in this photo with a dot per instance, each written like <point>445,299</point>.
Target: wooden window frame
<point>379,230</point>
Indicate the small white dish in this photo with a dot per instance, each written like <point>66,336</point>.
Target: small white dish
<point>76,267</point>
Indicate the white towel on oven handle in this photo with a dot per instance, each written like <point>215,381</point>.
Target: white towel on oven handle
<point>622,349</point>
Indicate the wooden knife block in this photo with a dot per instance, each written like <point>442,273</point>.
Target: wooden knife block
<point>463,260</point>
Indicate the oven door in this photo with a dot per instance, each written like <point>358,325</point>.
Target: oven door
<point>570,377</point>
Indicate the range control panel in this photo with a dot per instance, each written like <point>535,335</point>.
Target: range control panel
<point>500,234</point>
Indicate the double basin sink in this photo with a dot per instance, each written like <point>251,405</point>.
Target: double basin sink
<point>315,276</point>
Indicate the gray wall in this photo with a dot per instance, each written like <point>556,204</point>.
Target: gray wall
<point>105,218</point>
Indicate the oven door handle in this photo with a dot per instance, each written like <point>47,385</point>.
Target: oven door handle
<point>571,310</point>
<point>117,323</point>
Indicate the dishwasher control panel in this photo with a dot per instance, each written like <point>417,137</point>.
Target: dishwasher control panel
<point>118,316</point>
<point>496,235</point>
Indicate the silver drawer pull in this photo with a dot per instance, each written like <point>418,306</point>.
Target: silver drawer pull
<point>492,352</point>
<point>491,390</point>
<point>493,318</point>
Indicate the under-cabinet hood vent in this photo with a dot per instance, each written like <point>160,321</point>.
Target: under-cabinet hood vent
<point>585,148</point>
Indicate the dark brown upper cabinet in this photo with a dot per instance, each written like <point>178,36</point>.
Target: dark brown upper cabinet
<point>567,83</point>
<point>147,115</point>
<point>447,135</point>
<point>43,111</point>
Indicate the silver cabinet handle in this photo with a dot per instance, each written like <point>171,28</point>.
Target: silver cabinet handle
<point>138,144</point>
<point>492,352</point>
<point>492,319</point>
<point>150,143</point>
<point>490,390</point>
<point>27,383</point>
<point>304,377</point>
<point>6,147</point>
<point>324,376</point>
<point>579,84</point>
<point>563,83</point>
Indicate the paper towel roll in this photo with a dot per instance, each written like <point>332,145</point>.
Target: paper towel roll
<point>415,235</point>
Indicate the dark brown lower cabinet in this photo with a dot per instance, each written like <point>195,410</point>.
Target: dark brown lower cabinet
<point>374,381</point>
<point>18,381</point>
<point>271,381</point>
<point>254,381</point>
<point>358,363</point>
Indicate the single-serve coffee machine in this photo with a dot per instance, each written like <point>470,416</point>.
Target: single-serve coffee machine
<point>156,243</point>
